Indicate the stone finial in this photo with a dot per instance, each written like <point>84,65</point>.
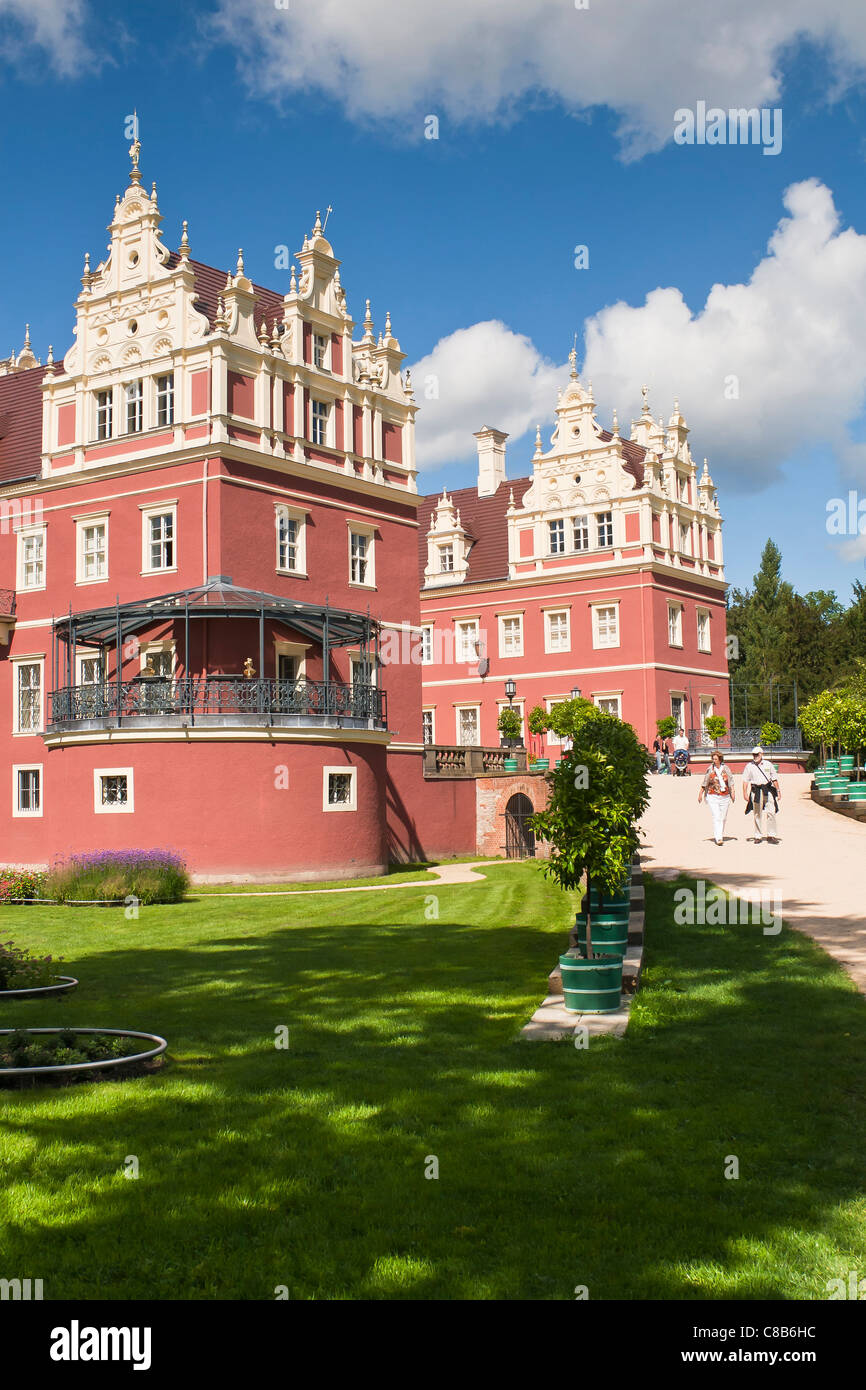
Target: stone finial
<point>317,227</point>
<point>572,357</point>
<point>240,264</point>
<point>293,283</point>
<point>87,276</point>
<point>615,428</point>
<point>153,191</point>
<point>49,361</point>
<point>387,323</point>
<point>538,439</point>
<point>368,317</point>
<point>229,284</point>
<point>184,241</point>
<point>275,338</point>
<point>408,385</point>
<point>263,334</point>
<point>644,390</point>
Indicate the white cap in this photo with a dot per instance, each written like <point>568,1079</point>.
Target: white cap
<point>759,749</point>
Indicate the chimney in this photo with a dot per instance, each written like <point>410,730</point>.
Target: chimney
<point>491,460</point>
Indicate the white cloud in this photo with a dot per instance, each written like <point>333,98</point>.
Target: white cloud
<point>54,26</point>
<point>791,341</point>
<point>393,61</point>
<point>483,375</point>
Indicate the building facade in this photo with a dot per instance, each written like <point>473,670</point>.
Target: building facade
<point>601,571</point>
<point>209,520</point>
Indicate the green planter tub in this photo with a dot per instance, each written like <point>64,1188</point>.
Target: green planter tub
<point>609,933</point>
<point>510,764</point>
<point>592,986</point>
<point>541,764</point>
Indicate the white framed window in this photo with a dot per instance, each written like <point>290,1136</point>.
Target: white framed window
<point>511,634</point>
<point>604,528</point>
<point>319,415</point>
<point>104,413</point>
<point>675,624</point>
<point>165,399</point>
<point>469,725</point>
<point>28,714</point>
<point>446,559</point>
<point>468,640</point>
<point>428,725</point>
<point>113,790</point>
<point>31,558</point>
<point>557,630</point>
<point>580,533</point>
<point>159,538</point>
<point>362,555</point>
<point>707,706</point>
<point>27,789</point>
<point>320,350</point>
<point>556,532</point>
<point>158,658</point>
<point>703,615</point>
<point>91,549</point>
<point>678,705</point>
<point>133,393</point>
<point>340,789</point>
<point>291,540</point>
<point>685,538</point>
<point>90,669</point>
<point>605,624</point>
<point>427,644</point>
<point>610,704</point>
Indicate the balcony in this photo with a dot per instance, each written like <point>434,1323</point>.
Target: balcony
<point>461,760</point>
<point>154,702</point>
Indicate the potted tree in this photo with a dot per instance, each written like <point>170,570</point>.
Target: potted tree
<point>597,796</point>
<point>510,727</point>
<point>770,733</point>
<point>716,727</point>
<point>537,723</point>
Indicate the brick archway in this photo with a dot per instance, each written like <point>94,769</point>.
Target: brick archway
<point>492,795</point>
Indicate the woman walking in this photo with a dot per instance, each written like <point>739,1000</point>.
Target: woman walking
<point>718,788</point>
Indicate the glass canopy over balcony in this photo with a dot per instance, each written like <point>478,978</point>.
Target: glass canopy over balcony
<point>211,697</point>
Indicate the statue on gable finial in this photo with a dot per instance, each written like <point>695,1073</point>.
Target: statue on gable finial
<point>135,151</point>
<point>572,357</point>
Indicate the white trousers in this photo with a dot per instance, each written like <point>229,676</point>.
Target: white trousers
<point>764,813</point>
<point>719,807</point>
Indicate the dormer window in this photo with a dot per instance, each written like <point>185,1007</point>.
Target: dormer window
<point>320,350</point>
<point>446,559</point>
<point>103,414</point>
<point>165,399</point>
<point>134,391</point>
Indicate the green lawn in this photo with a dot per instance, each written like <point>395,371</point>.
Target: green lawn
<point>557,1167</point>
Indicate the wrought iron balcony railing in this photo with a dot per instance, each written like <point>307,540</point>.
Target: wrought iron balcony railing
<point>149,696</point>
<point>742,739</point>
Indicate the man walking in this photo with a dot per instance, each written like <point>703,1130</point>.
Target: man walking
<point>761,791</point>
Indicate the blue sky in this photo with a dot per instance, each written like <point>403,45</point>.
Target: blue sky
<point>252,119</point>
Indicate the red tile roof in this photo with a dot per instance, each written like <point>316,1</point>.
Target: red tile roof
<point>210,283</point>
<point>21,425</point>
<point>483,520</point>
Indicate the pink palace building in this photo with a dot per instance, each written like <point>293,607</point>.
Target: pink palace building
<point>212,633</point>
<point>600,572</point>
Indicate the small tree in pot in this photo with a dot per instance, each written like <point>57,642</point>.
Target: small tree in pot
<point>597,795</point>
<point>537,722</point>
<point>716,728</point>
<point>510,726</point>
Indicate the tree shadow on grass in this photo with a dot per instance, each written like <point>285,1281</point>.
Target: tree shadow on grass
<point>305,1166</point>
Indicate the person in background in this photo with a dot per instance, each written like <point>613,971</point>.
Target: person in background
<point>663,757</point>
<point>718,788</point>
<point>681,744</point>
<point>760,788</point>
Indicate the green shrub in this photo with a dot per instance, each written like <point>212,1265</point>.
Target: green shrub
<point>20,969</point>
<point>148,875</point>
<point>770,733</point>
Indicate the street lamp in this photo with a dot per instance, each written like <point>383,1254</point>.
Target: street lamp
<point>575,692</point>
<point>510,690</point>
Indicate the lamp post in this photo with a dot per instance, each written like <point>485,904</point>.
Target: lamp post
<point>575,692</point>
<point>510,690</point>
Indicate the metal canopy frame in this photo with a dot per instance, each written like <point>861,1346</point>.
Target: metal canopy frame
<point>104,628</point>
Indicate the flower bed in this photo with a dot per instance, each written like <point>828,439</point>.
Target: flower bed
<point>119,875</point>
<point>20,969</point>
<point>21,885</point>
<point>70,1054</point>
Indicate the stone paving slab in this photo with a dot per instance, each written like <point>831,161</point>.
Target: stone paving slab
<point>553,1021</point>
